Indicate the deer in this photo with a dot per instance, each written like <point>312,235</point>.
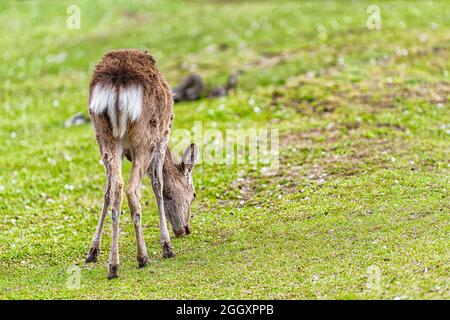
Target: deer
<point>131,109</point>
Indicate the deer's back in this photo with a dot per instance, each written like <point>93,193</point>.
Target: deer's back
<point>129,96</point>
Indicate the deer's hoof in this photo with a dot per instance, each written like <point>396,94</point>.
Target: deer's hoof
<point>92,255</point>
<point>167,251</point>
<point>143,261</point>
<point>113,271</point>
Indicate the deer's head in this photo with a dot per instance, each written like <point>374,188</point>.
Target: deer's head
<point>178,191</point>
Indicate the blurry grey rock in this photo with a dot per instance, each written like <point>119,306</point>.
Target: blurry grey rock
<point>217,92</point>
<point>77,119</point>
<point>232,82</point>
<point>193,88</point>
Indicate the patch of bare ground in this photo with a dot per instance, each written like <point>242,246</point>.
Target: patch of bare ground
<point>326,96</point>
<point>294,174</point>
<point>332,163</point>
<point>269,60</point>
<point>388,94</point>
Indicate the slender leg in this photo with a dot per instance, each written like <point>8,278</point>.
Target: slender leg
<point>140,165</point>
<point>116,188</point>
<point>94,250</point>
<point>156,168</point>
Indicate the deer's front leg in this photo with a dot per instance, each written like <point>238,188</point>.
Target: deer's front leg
<point>140,165</point>
<point>156,174</point>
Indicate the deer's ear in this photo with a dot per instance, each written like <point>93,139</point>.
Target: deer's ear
<point>190,156</point>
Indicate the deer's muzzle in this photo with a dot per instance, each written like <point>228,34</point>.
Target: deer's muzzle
<point>183,231</point>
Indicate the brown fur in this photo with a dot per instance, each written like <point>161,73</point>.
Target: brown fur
<point>178,193</point>
<point>145,144</point>
<point>126,67</point>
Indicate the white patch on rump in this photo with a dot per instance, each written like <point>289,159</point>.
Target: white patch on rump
<point>130,105</point>
<point>130,101</point>
<point>104,98</point>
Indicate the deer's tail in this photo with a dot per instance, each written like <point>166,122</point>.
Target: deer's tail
<point>121,102</point>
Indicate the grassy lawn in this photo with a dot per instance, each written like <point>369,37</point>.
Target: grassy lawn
<point>359,207</point>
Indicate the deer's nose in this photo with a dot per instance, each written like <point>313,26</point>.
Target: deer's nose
<point>182,231</point>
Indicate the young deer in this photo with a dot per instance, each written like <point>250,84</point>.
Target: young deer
<point>131,108</point>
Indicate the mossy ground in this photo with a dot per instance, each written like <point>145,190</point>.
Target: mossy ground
<point>363,187</point>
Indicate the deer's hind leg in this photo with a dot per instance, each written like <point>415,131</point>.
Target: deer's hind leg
<point>141,161</point>
<point>109,151</point>
<point>94,250</point>
<point>117,191</point>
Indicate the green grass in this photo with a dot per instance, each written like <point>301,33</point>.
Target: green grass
<point>364,161</point>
